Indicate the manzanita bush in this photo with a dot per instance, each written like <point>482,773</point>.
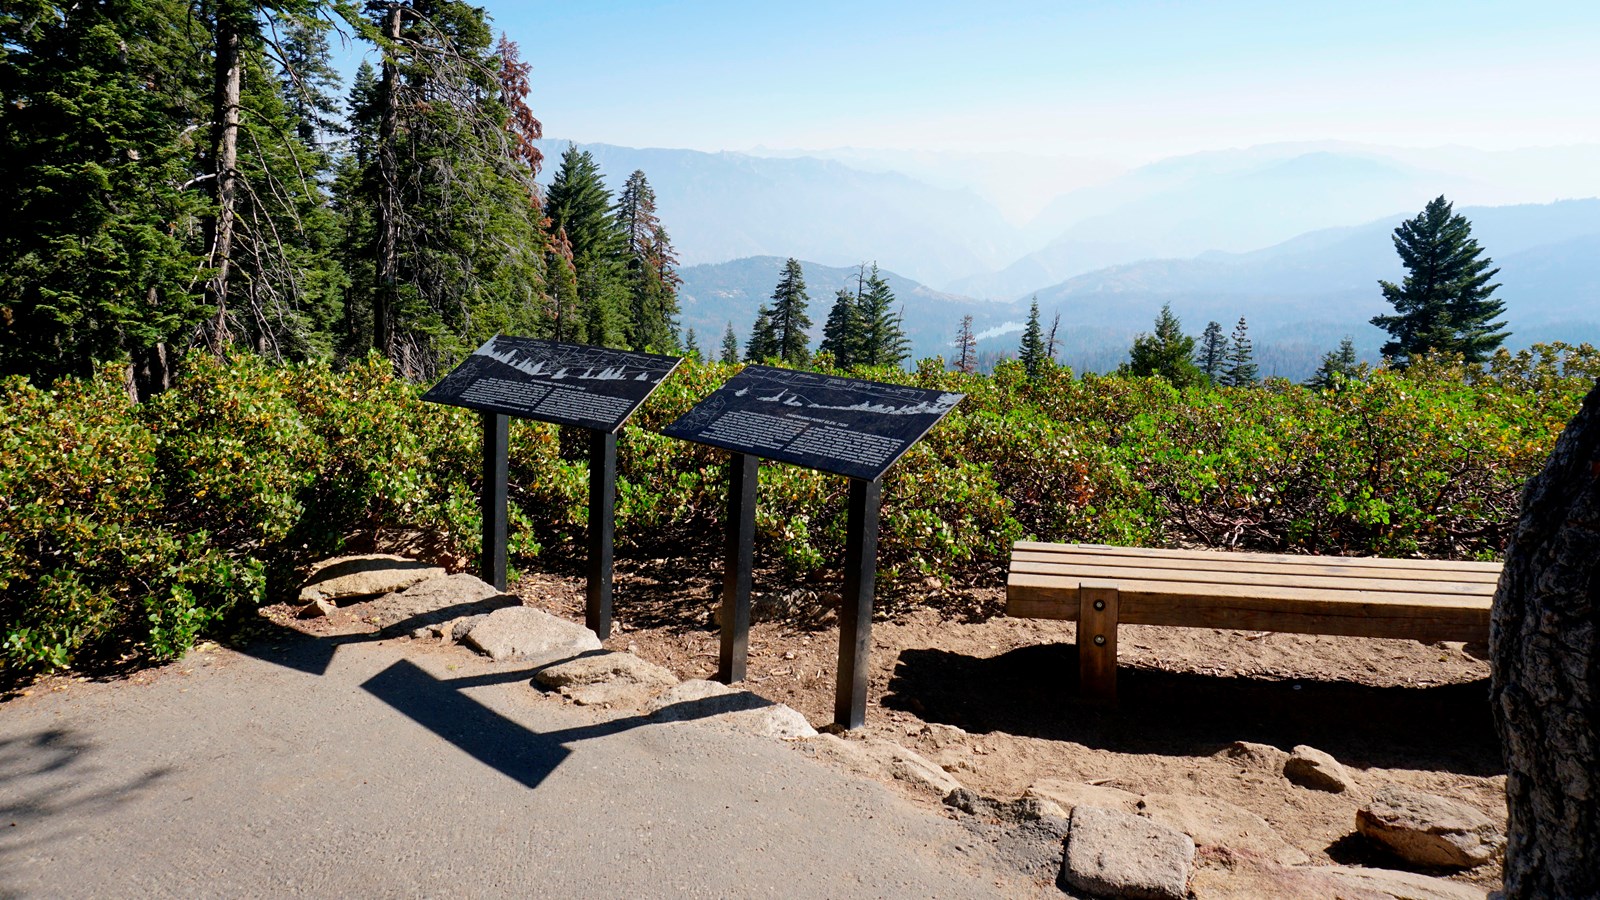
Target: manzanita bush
<point>130,529</point>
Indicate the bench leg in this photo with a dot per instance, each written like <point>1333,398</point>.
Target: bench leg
<point>1097,643</point>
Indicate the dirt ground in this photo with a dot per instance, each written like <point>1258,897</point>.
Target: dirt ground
<point>1391,711</point>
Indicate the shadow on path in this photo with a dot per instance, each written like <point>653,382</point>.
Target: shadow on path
<point>439,705</point>
<point>1032,691</point>
<point>42,777</point>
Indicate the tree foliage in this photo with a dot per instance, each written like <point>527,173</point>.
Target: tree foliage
<point>1445,303</point>
<point>1240,362</point>
<point>1031,352</point>
<point>1167,352</point>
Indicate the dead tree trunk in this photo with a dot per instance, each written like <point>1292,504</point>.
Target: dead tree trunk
<point>225,169</point>
<point>1545,689</point>
<point>386,271</point>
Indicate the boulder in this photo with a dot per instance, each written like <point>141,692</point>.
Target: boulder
<point>1216,823</point>
<point>607,679</point>
<point>1312,768</point>
<point>521,632</point>
<point>439,599</point>
<point>607,667</point>
<point>1258,757</point>
<point>1428,830</point>
<point>719,705</point>
<point>1113,854</point>
<point>364,576</point>
<point>1068,794</point>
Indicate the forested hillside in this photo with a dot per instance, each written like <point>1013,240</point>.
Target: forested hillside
<point>182,176</point>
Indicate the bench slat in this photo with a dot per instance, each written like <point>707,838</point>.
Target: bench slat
<point>1430,617</point>
<point>1343,583</point>
<point>1360,561</point>
<point>1310,565</point>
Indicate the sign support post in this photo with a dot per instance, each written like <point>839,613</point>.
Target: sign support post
<point>855,612</point>
<point>492,498</point>
<point>602,506</point>
<point>737,559</point>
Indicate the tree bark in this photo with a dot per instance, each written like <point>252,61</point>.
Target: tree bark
<point>1545,684</point>
<point>386,270</point>
<point>225,166</point>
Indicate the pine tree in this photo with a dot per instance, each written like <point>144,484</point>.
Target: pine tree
<point>1032,350</point>
<point>98,254</point>
<point>459,251</point>
<point>841,334</point>
<point>1446,301</point>
<point>730,346</point>
<point>788,315</point>
<point>1337,367</point>
<point>649,262</point>
<point>579,205</point>
<point>309,81</point>
<point>966,347</point>
<point>763,343</point>
<point>1240,361</point>
<point>1051,344</point>
<point>883,340</point>
<point>691,346</point>
<point>1166,352</point>
<point>1213,350</point>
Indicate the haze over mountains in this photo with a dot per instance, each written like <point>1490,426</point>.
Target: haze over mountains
<point>1292,236</point>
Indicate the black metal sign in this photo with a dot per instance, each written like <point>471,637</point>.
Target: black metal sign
<point>569,384</point>
<point>552,381</point>
<point>846,426</point>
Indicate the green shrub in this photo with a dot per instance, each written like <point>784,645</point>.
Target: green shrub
<point>133,529</point>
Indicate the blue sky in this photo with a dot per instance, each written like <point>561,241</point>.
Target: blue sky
<point>1130,80</point>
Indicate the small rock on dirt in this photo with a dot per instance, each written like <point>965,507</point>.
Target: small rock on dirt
<point>1217,823</point>
<point>886,761</point>
<point>1429,830</point>
<point>1312,768</point>
<point>1069,794</point>
<point>1245,877</point>
<point>318,608</point>
<point>1113,854</point>
<point>364,576</point>
<point>718,704</point>
<point>521,632</point>
<point>1260,757</point>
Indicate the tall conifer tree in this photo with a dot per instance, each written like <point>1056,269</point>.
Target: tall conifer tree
<point>579,205</point>
<point>1240,362</point>
<point>1446,302</point>
<point>763,343</point>
<point>1213,350</point>
<point>1167,352</point>
<point>788,315</point>
<point>966,347</point>
<point>883,340</point>
<point>841,334</point>
<point>1031,352</point>
<point>730,346</point>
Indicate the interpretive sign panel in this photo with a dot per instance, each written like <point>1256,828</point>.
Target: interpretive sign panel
<point>552,381</point>
<point>841,425</point>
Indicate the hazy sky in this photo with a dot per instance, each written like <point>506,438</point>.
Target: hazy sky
<point>1134,80</point>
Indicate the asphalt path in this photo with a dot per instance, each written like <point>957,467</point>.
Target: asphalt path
<point>385,768</point>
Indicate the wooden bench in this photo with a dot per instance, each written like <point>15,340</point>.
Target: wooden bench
<point>1102,587</point>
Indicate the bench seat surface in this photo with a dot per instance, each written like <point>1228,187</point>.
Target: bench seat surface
<point>1420,599</point>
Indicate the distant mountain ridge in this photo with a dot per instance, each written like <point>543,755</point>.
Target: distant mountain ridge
<point>1300,296</point>
<point>722,206</point>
